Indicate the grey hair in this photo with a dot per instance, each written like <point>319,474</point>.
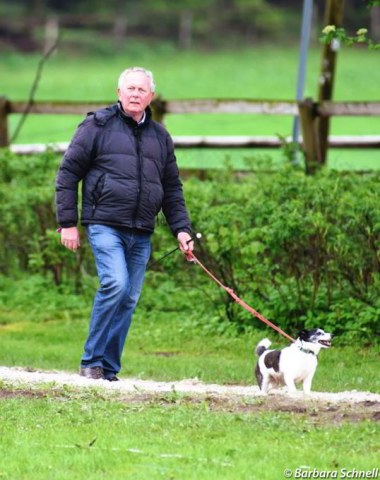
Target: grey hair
<point>148,73</point>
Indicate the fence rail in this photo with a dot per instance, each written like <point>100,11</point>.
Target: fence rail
<point>341,141</point>
<point>164,107</point>
<point>309,112</point>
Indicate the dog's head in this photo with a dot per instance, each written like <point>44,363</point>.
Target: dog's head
<point>315,339</point>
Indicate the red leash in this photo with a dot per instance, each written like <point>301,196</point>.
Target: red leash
<point>192,257</point>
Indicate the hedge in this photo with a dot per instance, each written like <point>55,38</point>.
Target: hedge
<point>302,250</point>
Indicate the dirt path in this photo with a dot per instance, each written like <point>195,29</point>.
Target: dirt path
<point>320,408</point>
<point>18,377</point>
<point>15,375</point>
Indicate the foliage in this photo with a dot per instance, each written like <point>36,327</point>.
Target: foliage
<point>332,35</point>
<point>27,221</point>
<point>302,251</point>
<point>296,248</point>
<point>208,24</point>
<point>189,22</point>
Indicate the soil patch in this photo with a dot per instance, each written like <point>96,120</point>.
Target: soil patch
<point>316,412</point>
<point>6,394</point>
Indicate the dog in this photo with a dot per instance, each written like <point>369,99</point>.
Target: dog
<point>295,363</point>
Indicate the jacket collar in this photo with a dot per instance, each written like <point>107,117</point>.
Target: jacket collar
<point>145,120</point>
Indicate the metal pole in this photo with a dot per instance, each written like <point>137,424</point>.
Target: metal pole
<point>307,13</point>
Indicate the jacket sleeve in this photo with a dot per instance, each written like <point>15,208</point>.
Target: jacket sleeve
<point>73,168</point>
<point>173,205</point>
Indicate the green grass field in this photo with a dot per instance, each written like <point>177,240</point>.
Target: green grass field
<point>77,436</point>
<point>264,72</point>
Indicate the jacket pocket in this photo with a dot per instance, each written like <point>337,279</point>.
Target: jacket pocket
<point>98,189</point>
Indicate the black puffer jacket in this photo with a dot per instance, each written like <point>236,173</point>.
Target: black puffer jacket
<point>129,173</point>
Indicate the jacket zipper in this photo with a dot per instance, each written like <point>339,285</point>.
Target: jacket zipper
<point>137,134</point>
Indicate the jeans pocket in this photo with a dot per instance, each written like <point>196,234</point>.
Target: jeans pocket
<point>95,229</point>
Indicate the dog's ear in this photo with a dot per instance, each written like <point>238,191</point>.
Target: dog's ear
<point>303,335</point>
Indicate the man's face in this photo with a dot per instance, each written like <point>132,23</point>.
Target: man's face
<point>135,94</point>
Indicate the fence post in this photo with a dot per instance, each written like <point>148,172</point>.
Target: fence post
<point>333,16</point>
<point>3,122</point>
<point>158,109</point>
<point>310,134</point>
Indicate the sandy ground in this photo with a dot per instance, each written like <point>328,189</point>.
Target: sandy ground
<point>192,387</point>
<point>319,408</point>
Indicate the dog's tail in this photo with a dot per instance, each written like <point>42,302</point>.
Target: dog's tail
<point>262,346</point>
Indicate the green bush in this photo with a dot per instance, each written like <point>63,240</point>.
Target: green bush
<point>27,219</point>
<point>303,251</point>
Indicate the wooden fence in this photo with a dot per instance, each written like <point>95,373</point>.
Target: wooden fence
<point>310,114</point>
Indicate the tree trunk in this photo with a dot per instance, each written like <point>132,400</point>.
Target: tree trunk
<point>375,24</point>
<point>51,33</point>
<point>120,31</point>
<point>185,29</point>
<point>36,12</point>
<point>333,16</point>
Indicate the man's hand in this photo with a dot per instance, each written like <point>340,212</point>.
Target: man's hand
<point>184,242</point>
<point>70,238</point>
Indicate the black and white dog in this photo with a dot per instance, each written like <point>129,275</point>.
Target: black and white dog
<point>292,364</point>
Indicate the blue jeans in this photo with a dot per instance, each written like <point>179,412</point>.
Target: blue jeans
<point>121,257</point>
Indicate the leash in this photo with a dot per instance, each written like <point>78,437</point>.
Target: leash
<point>197,236</point>
<point>192,258</point>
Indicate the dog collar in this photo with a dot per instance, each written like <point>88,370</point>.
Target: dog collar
<point>305,350</point>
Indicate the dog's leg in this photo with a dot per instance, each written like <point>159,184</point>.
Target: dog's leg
<point>289,382</point>
<point>259,376</point>
<point>265,384</point>
<point>307,384</point>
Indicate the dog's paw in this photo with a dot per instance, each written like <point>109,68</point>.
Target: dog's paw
<point>263,393</point>
<point>295,393</point>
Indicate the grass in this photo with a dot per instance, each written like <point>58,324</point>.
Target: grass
<point>76,436</point>
<point>166,343</point>
<point>96,79</point>
<point>268,73</point>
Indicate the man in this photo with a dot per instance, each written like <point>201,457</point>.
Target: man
<point>129,172</point>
